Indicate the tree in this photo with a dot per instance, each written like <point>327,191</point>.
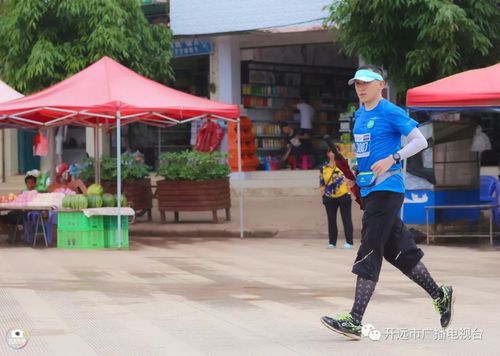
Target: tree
<point>44,41</point>
<point>418,41</point>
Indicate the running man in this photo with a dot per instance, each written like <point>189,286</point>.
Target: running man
<point>378,127</point>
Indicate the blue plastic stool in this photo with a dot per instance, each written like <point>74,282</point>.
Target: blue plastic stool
<point>51,221</point>
<point>488,193</point>
<point>35,221</point>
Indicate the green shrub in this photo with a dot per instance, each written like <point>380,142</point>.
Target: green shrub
<point>193,165</point>
<point>87,174</point>
<point>133,167</point>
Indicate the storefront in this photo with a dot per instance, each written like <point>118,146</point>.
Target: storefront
<point>266,59</point>
<point>275,78</point>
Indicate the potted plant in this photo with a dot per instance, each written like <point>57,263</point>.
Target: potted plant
<point>136,183</point>
<point>193,181</point>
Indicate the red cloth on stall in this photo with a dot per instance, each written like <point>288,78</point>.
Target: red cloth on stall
<point>209,137</point>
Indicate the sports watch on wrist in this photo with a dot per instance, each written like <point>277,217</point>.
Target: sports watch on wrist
<point>396,157</point>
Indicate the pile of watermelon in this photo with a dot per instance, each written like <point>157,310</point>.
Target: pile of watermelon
<point>77,202</point>
<point>96,198</point>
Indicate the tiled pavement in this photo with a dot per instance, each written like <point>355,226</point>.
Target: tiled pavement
<point>209,296</point>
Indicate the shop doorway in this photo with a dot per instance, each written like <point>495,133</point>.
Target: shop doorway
<point>192,74</point>
<point>26,160</point>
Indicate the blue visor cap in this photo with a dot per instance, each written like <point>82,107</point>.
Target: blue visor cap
<point>365,75</point>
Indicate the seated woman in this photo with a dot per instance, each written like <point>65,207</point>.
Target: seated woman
<point>76,185</point>
<point>9,221</point>
<point>298,145</point>
<point>63,180</point>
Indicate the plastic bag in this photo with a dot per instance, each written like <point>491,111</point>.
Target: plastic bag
<point>41,182</point>
<point>40,145</point>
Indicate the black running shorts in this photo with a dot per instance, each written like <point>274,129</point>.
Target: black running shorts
<point>384,235</point>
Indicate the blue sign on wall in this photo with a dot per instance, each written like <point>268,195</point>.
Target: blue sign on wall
<point>195,47</point>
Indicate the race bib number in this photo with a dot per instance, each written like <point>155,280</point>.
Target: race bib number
<point>362,145</point>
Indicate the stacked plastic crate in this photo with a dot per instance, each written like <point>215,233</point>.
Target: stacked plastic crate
<point>76,231</point>
<point>249,159</point>
<point>111,232</point>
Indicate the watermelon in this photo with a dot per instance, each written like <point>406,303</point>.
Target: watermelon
<point>67,201</point>
<point>124,200</point>
<point>79,202</point>
<point>95,189</point>
<point>72,202</point>
<point>95,201</point>
<point>108,200</point>
<point>82,201</point>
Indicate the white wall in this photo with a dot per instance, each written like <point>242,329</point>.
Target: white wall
<point>228,69</point>
<point>225,74</point>
<point>196,17</point>
<point>11,156</point>
<point>104,148</point>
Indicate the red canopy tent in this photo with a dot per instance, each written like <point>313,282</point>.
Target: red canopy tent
<point>473,89</point>
<point>105,88</point>
<point>107,95</point>
<point>477,89</point>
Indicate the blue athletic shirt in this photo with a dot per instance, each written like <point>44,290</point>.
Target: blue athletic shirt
<point>377,135</point>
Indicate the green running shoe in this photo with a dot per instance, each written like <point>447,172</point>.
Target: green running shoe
<point>343,325</point>
<point>444,305</point>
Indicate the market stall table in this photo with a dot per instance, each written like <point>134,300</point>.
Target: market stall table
<point>39,218</point>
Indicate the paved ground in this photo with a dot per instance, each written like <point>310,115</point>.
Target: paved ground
<point>263,216</point>
<point>209,296</point>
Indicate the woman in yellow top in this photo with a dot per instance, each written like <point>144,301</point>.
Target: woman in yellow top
<point>335,193</point>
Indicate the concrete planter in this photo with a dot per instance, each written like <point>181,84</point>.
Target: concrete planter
<point>183,195</point>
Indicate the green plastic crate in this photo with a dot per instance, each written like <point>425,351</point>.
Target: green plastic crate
<point>77,221</point>
<point>111,222</point>
<point>111,240</point>
<point>80,240</point>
